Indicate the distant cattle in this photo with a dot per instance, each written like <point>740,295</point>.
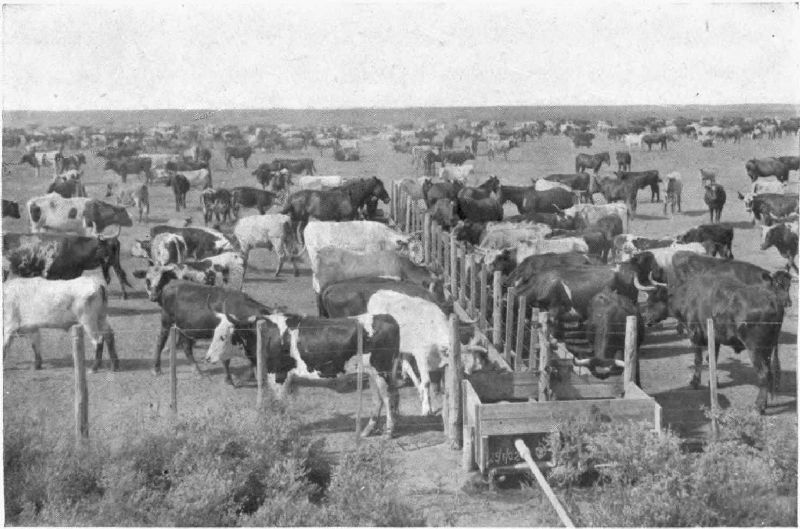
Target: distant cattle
<point>241,152</point>
<point>131,195</point>
<point>623,161</point>
<point>250,197</point>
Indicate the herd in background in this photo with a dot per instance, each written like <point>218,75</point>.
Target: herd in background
<point>571,257</point>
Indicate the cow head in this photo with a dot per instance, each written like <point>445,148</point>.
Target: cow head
<point>645,271</point>
<point>656,308</point>
<point>781,282</point>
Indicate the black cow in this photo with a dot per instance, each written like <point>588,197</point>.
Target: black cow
<point>241,152</point>
<point>554,220</point>
<point>294,166</point>
<point>484,190</point>
<point>200,243</point>
<point>180,186</point>
<point>591,161</point>
<point>433,192</point>
<point>429,159</point>
<point>673,198</point>
<point>784,238</point>
<point>480,210</point>
<point>456,157</point>
<point>714,198</point>
<point>125,166</point>
<point>577,181</point>
<point>445,213</point>
<point>362,189</point>
<point>64,163</point>
<point>760,168</point>
<point>619,190</point>
<point>10,209</point>
<point>350,297</point>
<point>100,215</point>
<point>204,155</point>
<point>767,207</point>
<point>582,139</point>
<point>216,202</point>
<point>547,201</point>
<point>193,308</point>
<point>644,179</point>
<point>718,238</point>
<point>514,194</point>
<point>55,256</point>
<point>468,231</point>
<point>623,161</point>
<point>264,174</point>
<point>605,332</point>
<point>791,162</point>
<point>123,151</point>
<point>333,205</point>
<point>250,197</point>
<point>67,187</point>
<point>728,302</point>
<point>600,235</point>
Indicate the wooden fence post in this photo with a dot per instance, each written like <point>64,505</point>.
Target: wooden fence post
<point>81,389</point>
<point>484,296</point>
<point>360,380</point>
<point>453,267</point>
<point>532,355</point>
<point>426,238</point>
<point>462,277</point>
<point>261,363</point>
<point>474,288</point>
<point>544,353</point>
<point>712,375</point>
<point>522,303</point>
<point>525,454</point>
<point>467,446</point>
<point>455,374</point>
<point>630,352</point>
<point>173,370</point>
<point>392,202</point>
<point>497,309</point>
<point>510,295</point>
<point>409,228</point>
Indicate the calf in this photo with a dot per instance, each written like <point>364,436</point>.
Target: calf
<point>783,237</point>
<point>673,193</point>
<point>180,186</point>
<point>549,201</point>
<point>31,304</point>
<point>125,166</point>
<point>717,238</point>
<point>715,200</point>
<point>250,197</point>
<point>273,232</point>
<point>67,186</point>
<point>132,195</point>
<point>215,202</point>
<point>644,179</point>
<point>305,347</point>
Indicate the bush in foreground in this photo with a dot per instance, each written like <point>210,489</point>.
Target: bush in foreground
<point>233,468</point>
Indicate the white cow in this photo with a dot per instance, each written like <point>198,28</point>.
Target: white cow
<point>591,213</point>
<point>539,246</point>
<point>31,304</point>
<point>52,212</point>
<point>425,335</point>
<point>633,140</point>
<point>356,236</point>
<point>319,182</point>
<point>768,186</point>
<point>198,178</point>
<point>160,160</point>
<point>543,185</point>
<point>271,231</point>
<point>457,173</point>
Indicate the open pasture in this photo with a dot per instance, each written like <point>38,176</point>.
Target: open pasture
<point>134,394</point>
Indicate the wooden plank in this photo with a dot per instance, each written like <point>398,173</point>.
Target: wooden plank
<point>474,285</point>
<point>462,275</point>
<point>455,376</point>
<point>503,386</point>
<point>360,379</point>
<point>497,309</point>
<point>510,295</point>
<point>712,375</point>
<point>453,268</point>
<point>522,303</point>
<point>544,355</point>
<point>635,392</point>
<point>173,369</point>
<point>81,390</point>
<point>392,204</point>
<point>408,215</point>
<point>525,453</point>
<point>484,297</point>
<point>629,375</point>
<point>533,355</point>
<point>469,401</point>
<point>261,361</point>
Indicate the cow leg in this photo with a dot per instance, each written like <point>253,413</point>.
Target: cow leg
<point>698,365</point>
<point>376,401</point>
<point>760,358</point>
<point>36,345</point>
<point>162,339</point>
<point>190,356</point>
<point>226,366</point>
<point>108,338</point>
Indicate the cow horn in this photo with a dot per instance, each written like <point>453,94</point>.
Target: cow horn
<point>103,236</point>
<point>654,282</point>
<point>476,349</point>
<point>468,321</point>
<point>640,286</point>
<point>619,363</point>
<point>582,362</point>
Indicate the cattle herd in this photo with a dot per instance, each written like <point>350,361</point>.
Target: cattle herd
<point>571,247</point>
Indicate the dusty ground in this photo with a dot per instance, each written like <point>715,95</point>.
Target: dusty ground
<point>429,472</point>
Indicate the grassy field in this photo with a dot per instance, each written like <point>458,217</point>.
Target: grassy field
<point>429,475</point>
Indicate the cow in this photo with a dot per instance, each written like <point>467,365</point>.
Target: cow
<point>216,270</point>
<point>199,178</point>
<point>180,186</point>
<point>346,154</point>
<point>350,297</point>
<point>71,162</point>
<point>620,190</point>
<point>479,210</point>
<point>306,347</point>
<point>714,198</point>
<point>200,242</point>
<point>356,236</point>
<point>792,163</point>
<point>761,187</point>
<point>294,166</point>
<point>362,190</point>
<point>745,316</point>
<point>194,309</point>
<point>435,191</point>
<point>607,317</point>
<point>623,161</point>
<point>161,160</point>
<point>500,147</point>
<point>588,214</point>
<point>530,247</point>
<point>131,195</point>
<point>163,249</point>
<point>550,201</point>
<point>530,266</point>
<point>215,203</point>
<point>759,168</point>
<point>672,193</point>
<point>35,303</point>
<point>633,140</point>
<point>241,152</point>
<point>461,174</point>
<point>627,245</point>
<point>10,209</point>
<point>250,197</point>
<point>125,166</point>
<point>581,182</point>
<point>769,206</point>
<point>783,237</point>
<point>263,174</point>
<point>543,185</point>
<point>660,139</point>
<point>582,139</point>
<point>456,157</point>
<point>514,194</point>
<point>39,160</point>
<point>708,176</point>
<point>644,179</point>
<point>717,238</point>
<point>184,165</point>
<point>273,232</point>
<point>334,264</point>
<point>82,216</point>
<point>55,256</point>
<point>424,335</point>
<point>320,182</point>
<point>67,186</point>
<point>332,205</point>
<point>591,161</point>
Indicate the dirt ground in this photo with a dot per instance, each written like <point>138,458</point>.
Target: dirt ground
<point>429,473</point>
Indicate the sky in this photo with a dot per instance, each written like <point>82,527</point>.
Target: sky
<point>391,54</point>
